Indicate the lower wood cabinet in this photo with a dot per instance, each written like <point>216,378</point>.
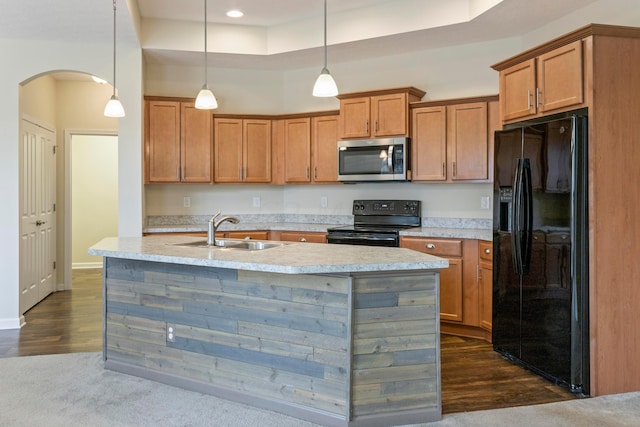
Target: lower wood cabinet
<point>485,281</point>
<point>253,235</point>
<point>465,303</point>
<point>299,236</point>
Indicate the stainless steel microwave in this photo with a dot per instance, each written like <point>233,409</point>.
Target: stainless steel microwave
<point>384,159</point>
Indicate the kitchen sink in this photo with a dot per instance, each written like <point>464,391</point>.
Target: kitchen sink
<point>248,245</point>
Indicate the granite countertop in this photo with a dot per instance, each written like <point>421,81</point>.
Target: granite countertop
<point>244,226</point>
<point>290,258</point>
<point>455,233</point>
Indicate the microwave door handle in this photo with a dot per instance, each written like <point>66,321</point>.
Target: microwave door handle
<point>390,159</point>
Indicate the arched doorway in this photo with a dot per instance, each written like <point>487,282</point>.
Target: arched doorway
<point>61,100</point>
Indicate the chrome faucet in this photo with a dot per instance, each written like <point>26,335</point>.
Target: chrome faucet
<point>214,224</point>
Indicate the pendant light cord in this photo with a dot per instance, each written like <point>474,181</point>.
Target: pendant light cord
<point>114,47</point>
<point>205,44</point>
<point>325,34</point>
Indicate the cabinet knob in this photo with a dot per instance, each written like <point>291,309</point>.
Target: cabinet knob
<point>487,251</point>
<point>302,239</point>
<point>431,246</point>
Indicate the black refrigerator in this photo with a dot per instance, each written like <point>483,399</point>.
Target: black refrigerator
<point>540,241</point>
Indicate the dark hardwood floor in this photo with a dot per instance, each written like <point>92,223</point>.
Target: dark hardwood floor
<point>64,322</point>
<point>474,377</point>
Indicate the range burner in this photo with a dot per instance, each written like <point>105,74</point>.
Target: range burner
<point>377,222</point>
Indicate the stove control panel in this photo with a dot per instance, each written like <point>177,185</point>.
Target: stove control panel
<point>387,207</point>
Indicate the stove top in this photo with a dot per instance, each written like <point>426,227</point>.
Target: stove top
<point>382,216</point>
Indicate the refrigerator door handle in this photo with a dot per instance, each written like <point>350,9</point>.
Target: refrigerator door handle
<point>527,215</point>
<point>516,217</point>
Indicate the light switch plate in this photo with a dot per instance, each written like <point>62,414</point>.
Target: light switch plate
<point>256,201</point>
<point>324,202</point>
<point>186,201</point>
<point>484,202</point>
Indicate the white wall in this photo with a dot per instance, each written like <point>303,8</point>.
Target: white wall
<point>452,72</point>
<point>94,195</point>
<point>24,59</point>
<point>444,73</point>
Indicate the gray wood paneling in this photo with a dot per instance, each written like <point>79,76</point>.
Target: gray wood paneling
<point>350,346</point>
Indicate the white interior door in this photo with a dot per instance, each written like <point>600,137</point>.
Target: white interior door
<point>37,214</point>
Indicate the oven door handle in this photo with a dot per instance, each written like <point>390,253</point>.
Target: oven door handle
<point>363,237</point>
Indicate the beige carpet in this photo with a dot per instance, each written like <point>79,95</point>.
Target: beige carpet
<point>75,390</point>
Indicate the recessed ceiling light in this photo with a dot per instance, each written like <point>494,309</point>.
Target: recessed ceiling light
<point>235,14</point>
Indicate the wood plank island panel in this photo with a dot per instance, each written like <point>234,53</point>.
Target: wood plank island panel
<point>339,350</point>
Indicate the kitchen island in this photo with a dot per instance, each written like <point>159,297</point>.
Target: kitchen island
<point>338,335</point>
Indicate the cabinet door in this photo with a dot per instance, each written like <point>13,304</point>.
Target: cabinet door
<point>325,150</point>
<point>485,277</point>
<point>297,150</point>
<point>355,113</point>
<point>560,78</point>
<point>429,144</point>
<point>164,141</point>
<point>451,291</point>
<point>517,90</point>
<point>467,141</point>
<point>257,150</point>
<point>389,115</point>
<point>297,236</point>
<point>228,150</point>
<point>196,147</point>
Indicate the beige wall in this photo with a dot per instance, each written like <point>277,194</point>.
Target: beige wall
<point>29,59</point>
<point>94,195</point>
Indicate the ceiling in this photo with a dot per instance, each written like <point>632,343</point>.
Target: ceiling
<point>361,28</point>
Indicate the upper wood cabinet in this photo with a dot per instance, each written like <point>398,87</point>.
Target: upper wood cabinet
<point>297,150</point>
<point>242,150</point>
<point>377,114</point>
<point>454,142</point>
<point>547,83</point>
<point>468,141</point>
<point>305,149</point>
<point>324,138</point>
<point>429,143</point>
<point>178,144</point>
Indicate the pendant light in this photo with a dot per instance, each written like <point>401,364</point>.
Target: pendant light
<point>325,85</point>
<point>206,100</point>
<point>114,108</point>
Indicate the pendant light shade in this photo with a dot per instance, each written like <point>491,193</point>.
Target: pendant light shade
<point>114,108</point>
<point>206,100</point>
<point>325,85</point>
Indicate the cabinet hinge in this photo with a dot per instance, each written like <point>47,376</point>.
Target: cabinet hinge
<point>54,207</point>
<point>54,265</point>
<point>54,149</point>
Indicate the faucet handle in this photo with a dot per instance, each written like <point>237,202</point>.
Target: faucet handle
<point>213,218</point>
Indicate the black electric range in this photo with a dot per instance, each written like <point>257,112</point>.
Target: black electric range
<point>377,223</point>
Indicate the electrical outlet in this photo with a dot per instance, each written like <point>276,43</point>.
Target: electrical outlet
<point>324,202</point>
<point>256,201</point>
<point>484,202</point>
<point>171,332</point>
<point>186,201</point>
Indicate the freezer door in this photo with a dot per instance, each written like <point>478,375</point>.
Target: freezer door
<point>506,279</point>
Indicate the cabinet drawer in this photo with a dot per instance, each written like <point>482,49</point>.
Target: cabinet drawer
<point>485,251</point>
<point>257,235</point>
<point>438,247</point>
<point>293,236</point>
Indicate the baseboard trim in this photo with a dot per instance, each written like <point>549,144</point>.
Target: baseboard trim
<point>16,323</point>
<point>83,265</point>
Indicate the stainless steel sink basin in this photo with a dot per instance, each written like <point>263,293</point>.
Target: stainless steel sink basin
<point>248,245</point>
